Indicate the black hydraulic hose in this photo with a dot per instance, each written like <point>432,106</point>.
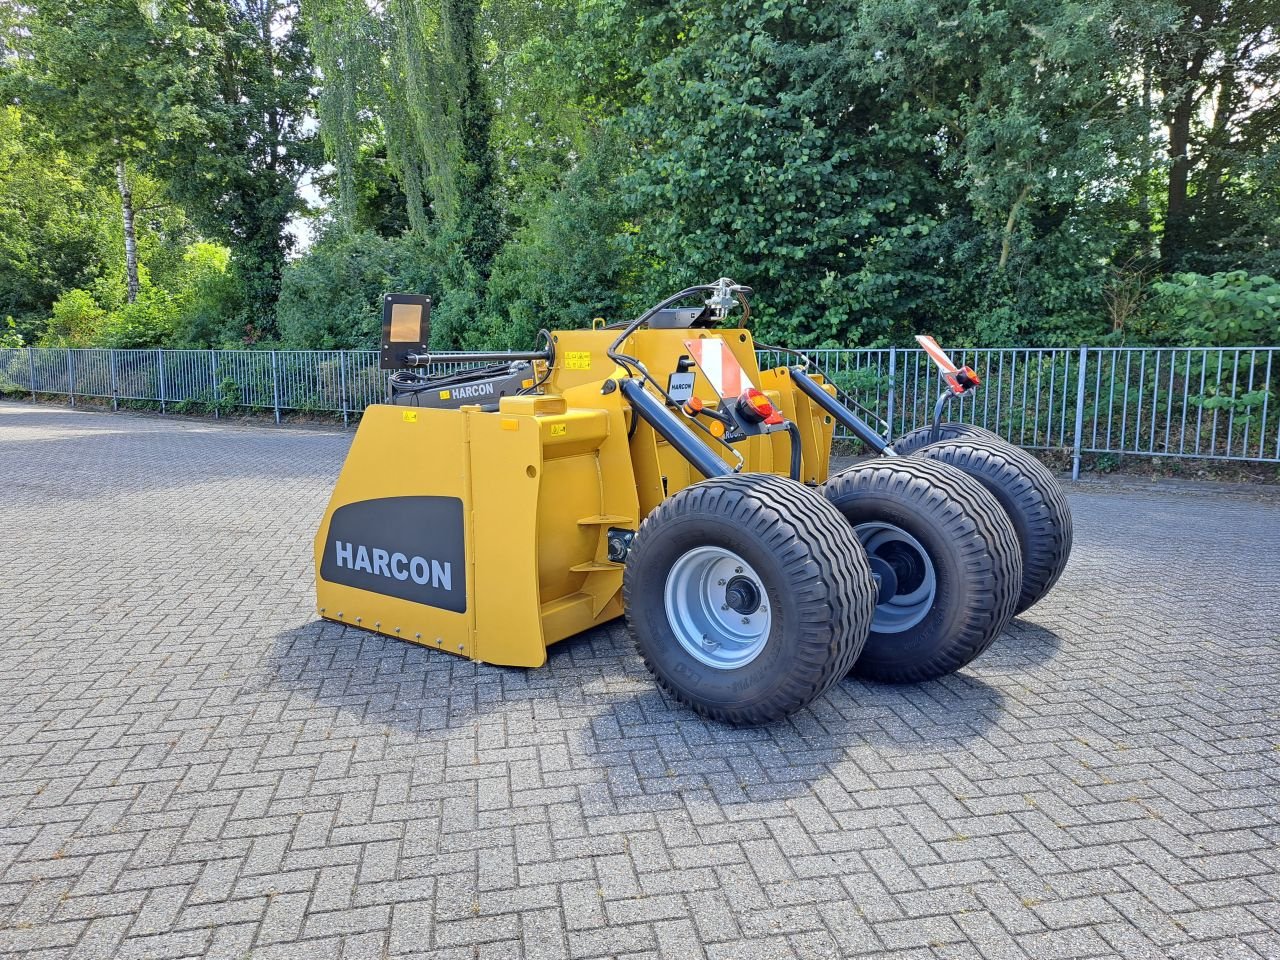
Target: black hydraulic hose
<point>628,363</point>
<point>935,431</point>
<point>796,452</point>
<point>551,362</point>
<point>402,381</point>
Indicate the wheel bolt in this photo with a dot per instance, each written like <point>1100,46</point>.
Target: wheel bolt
<point>724,606</point>
<point>721,582</point>
<point>737,569</point>
<point>746,619</point>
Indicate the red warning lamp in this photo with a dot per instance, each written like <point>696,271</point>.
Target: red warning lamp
<point>755,406</point>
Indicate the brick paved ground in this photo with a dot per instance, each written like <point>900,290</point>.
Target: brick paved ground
<point>192,765</point>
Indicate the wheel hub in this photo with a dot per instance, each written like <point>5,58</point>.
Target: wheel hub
<point>886,579</point>
<point>742,595</point>
<point>716,607</point>
<point>907,581</point>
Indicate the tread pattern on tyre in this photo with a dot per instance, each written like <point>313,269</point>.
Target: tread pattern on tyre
<point>836,596</point>
<point>913,440</point>
<point>1044,523</point>
<point>972,517</point>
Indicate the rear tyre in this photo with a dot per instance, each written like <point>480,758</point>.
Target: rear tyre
<point>912,441</point>
<point>947,559</point>
<point>748,596</point>
<point>1029,495</point>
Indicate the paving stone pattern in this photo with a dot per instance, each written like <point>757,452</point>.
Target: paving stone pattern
<point>192,765</point>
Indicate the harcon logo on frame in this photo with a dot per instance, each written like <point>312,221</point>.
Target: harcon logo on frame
<point>397,565</point>
<point>406,547</point>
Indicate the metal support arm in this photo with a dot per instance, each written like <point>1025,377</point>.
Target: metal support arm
<point>668,426</point>
<point>842,414</point>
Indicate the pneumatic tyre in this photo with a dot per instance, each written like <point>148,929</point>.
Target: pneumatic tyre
<point>947,561</point>
<point>913,440</point>
<point>1029,495</point>
<point>748,596</point>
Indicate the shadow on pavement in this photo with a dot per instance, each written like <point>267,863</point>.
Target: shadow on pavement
<point>1022,643</point>
<point>595,705</point>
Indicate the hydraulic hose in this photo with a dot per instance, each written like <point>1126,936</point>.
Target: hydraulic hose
<point>796,452</point>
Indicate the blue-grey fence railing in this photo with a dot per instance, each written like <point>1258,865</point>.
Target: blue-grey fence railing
<point>1205,402</point>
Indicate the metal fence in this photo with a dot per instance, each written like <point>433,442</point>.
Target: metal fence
<point>1212,403</point>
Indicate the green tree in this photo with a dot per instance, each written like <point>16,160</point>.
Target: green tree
<point>239,183</point>
<point>760,156</point>
<point>332,298</point>
<point>52,223</point>
<point>1215,69</point>
<point>114,79</point>
<point>570,261</point>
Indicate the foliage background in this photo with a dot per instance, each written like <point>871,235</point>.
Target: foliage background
<point>996,172</point>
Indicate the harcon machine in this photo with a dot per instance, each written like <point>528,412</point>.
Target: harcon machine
<point>652,469</point>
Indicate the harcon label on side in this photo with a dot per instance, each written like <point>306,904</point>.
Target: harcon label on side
<point>412,548</point>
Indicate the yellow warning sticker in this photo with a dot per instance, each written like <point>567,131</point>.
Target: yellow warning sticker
<point>444,394</point>
<point>559,429</point>
<point>409,416</point>
<point>577,360</point>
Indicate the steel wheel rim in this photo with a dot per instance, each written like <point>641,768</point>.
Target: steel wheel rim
<point>917,581</point>
<point>716,606</point>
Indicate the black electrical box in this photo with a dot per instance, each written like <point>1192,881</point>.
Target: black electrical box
<point>406,328</point>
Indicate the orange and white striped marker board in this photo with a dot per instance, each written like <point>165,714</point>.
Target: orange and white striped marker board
<point>949,369</point>
<point>719,366</point>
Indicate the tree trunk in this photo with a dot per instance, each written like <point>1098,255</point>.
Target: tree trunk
<point>130,236</point>
<point>1144,174</point>
<point>1006,242</point>
<point>1217,142</point>
<point>273,111</point>
<point>1179,175</point>
<point>1182,92</point>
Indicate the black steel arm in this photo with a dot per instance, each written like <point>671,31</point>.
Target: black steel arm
<point>842,414</point>
<point>668,426</point>
<point>483,356</point>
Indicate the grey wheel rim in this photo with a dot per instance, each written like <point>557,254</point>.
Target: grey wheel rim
<point>909,582</point>
<point>716,605</point>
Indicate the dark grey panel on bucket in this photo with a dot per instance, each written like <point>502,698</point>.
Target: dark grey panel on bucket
<point>413,548</point>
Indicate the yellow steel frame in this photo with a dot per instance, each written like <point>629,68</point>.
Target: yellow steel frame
<point>541,482</point>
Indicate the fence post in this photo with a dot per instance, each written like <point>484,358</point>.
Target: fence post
<point>31,369</point>
<point>213,370</point>
<point>1075,450</point>
<point>893,387</point>
<point>342,381</point>
<point>115,382</point>
<point>275,385</point>
<point>160,365</point>
<point>71,377</point>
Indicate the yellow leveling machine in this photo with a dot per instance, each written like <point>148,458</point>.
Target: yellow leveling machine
<point>651,468</point>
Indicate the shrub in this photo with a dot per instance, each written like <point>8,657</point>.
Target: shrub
<point>1221,310</point>
<point>147,322</point>
<point>76,318</point>
<point>331,299</point>
<point>9,335</point>
<point>209,296</point>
